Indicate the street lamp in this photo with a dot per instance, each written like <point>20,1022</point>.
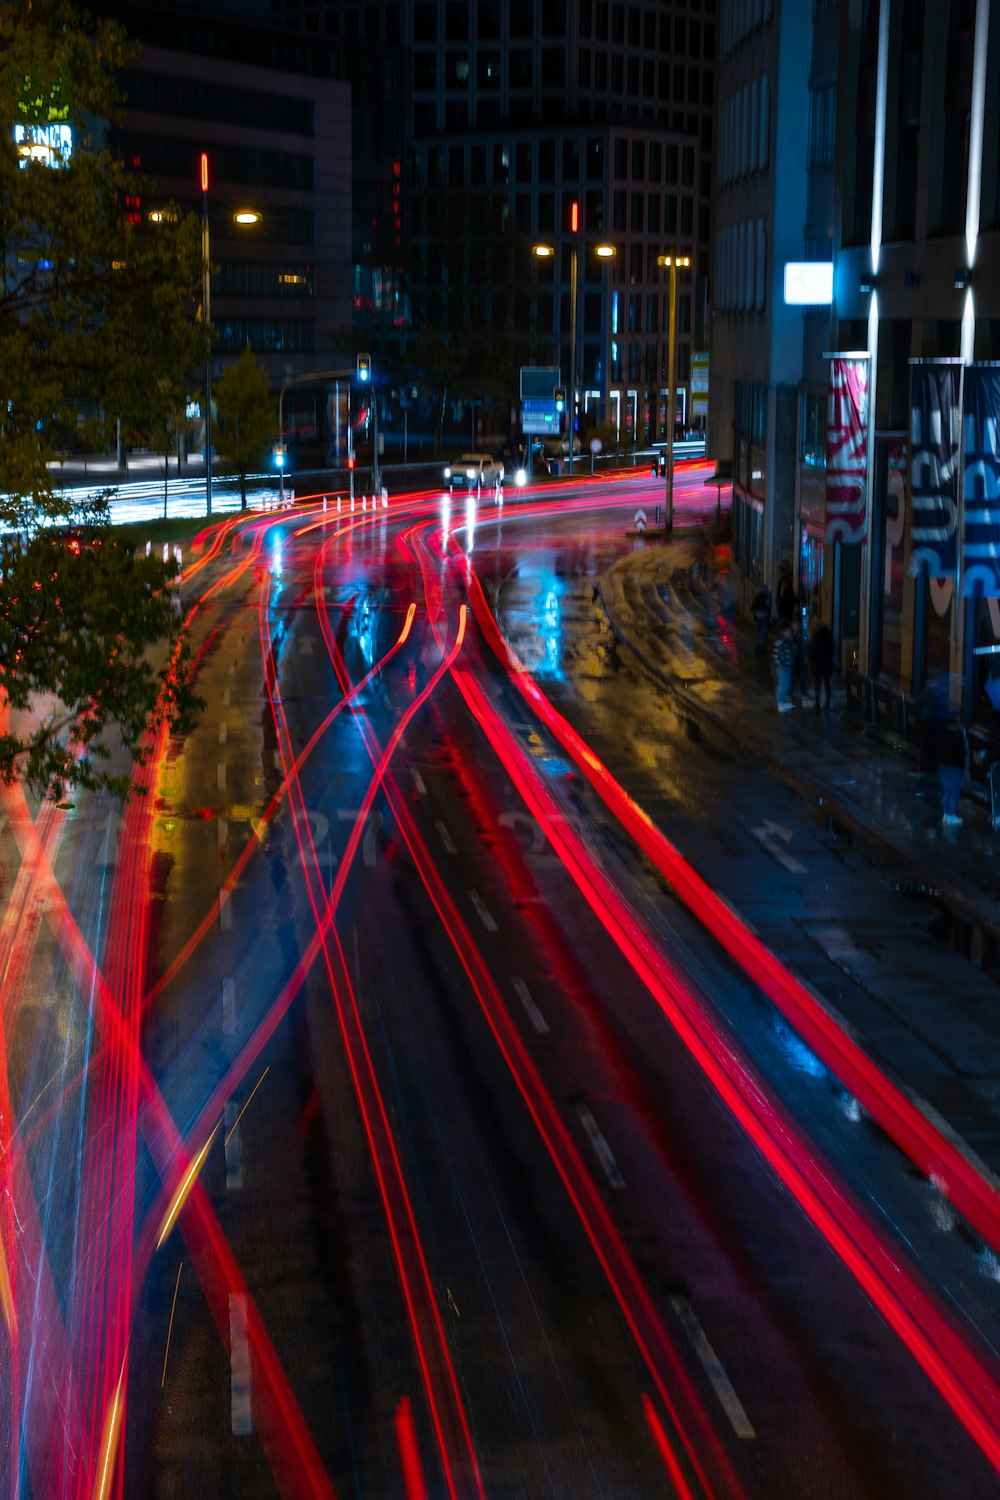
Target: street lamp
<point>672,262</point>
<point>206,317</point>
<point>545,252</point>
<point>606,253</point>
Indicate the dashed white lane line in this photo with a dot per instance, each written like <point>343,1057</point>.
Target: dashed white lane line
<point>225,913</point>
<point>225,697</point>
<point>534,1014</point>
<point>418,781</point>
<point>232,668</point>
<point>223,830</point>
<point>220,775</point>
<point>602,1150</point>
<point>277,761</point>
<point>234,1161</point>
<point>228,1005</point>
<point>445,837</point>
<point>223,732</point>
<point>714,1368</point>
<point>239,1362</point>
<point>485,915</point>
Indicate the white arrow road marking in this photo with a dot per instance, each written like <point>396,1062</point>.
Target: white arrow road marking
<point>767,835</point>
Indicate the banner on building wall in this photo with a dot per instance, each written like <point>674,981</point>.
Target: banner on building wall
<point>847,449</point>
<point>981,483</point>
<point>935,425</point>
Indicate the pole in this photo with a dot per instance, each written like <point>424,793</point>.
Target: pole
<point>281,443</point>
<point>671,395</point>
<point>206,313</point>
<point>573,290</point>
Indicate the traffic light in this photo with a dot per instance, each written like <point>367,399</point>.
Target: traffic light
<point>364,368</point>
<point>559,396</point>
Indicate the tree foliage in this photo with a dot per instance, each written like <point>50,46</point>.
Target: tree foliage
<point>96,322</point>
<point>246,417</point>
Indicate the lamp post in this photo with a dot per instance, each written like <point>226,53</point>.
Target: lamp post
<point>546,252</point>
<point>206,318</point>
<point>672,262</point>
<point>607,254</point>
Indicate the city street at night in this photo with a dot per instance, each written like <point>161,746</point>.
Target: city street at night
<point>471,1068</point>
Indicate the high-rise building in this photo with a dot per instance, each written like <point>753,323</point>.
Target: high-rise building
<point>862,140</point>
<point>513,111</point>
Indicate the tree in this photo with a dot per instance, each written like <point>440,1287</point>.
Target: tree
<point>246,418</point>
<point>95,321</point>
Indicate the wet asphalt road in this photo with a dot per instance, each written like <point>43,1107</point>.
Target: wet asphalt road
<point>499,1229</point>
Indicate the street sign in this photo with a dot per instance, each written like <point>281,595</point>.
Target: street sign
<point>540,418</point>
<point>640,519</point>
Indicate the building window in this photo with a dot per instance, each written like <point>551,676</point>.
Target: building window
<point>822,125</point>
<point>812,431</point>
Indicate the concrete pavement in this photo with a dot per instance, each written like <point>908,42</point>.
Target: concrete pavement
<point>671,604</point>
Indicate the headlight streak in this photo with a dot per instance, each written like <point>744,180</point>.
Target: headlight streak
<point>455,1446</point>
<point>929,1149</point>
<point>184,1187</point>
<point>943,1354</point>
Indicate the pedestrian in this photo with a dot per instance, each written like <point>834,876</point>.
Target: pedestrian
<point>951,769</point>
<point>785,600</point>
<point>762,609</point>
<point>822,658</point>
<point>800,672</point>
<point>784,664</point>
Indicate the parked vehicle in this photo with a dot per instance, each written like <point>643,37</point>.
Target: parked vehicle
<point>474,471</point>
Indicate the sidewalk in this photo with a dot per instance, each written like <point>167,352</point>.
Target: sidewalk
<point>666,606</point>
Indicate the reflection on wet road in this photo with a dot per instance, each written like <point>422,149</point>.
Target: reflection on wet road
<point>389,1106</point>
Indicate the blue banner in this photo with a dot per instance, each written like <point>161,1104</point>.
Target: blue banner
<point>935,423</point>
<point>981,487</point>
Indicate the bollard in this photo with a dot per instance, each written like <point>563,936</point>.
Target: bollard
<point>324,505</point>
<point>149,548</point>
<point>338,505</point>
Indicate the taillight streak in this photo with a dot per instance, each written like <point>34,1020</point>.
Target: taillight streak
<point>972,1195</point>
<point>446,1408</point>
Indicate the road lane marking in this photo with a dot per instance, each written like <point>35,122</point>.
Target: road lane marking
<point>239,1364</point>
<point>277,761</point>
<point>418,781</point>
<point>225,697</point>
<point>223,828</point>
<point>234,1163</point>
<point>714,1368</point>
<point>445,837</point>
<point>232,668</point>
<point>225,912</point>
<point>220,775</point>
<point>602,1150</point>
<point>485,915</point>
<point>771,836</point>
<point>534,1014</point>
<point>228,1005</point>
<point>223,732</point>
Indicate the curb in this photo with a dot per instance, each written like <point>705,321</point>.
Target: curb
<point>967,903</point>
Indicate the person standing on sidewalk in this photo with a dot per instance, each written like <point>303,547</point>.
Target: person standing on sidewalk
<point>951,769</point>
<point>822,655</point>
<point>784,665</point>
<point>761,609</point>
<point>785,600</point>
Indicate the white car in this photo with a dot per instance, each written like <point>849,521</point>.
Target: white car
<point>474,471</point>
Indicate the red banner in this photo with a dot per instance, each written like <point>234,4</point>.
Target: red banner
<point>847,449</point>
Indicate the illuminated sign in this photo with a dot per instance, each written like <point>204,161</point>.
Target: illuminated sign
<point>52,145</point>
<point>809,283</point>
